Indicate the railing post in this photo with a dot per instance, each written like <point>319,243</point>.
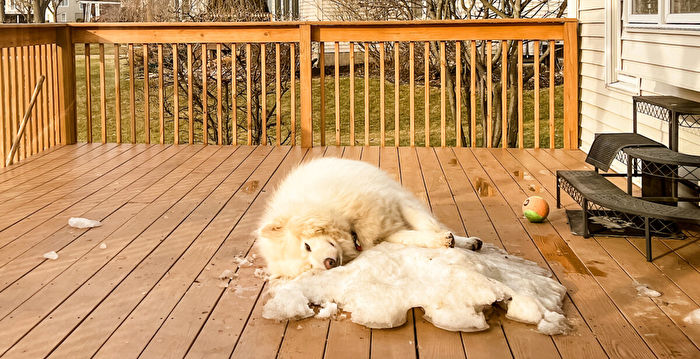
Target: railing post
<point>66,84</point>
<point>571,114</point>
<point>305,85</point>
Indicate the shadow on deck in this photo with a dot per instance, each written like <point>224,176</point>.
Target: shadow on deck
<point>174,217</point>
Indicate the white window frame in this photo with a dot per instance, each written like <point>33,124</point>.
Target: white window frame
<point>643,18</point>
<point>664,18</point>
<point>690,18</point>
<point>615,78</point>
<point>66,5</point>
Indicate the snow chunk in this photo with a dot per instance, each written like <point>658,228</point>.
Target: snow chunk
<point>328,310</point>
<point>288,302</point>
<point>693,317</point>
<point>644,291</point>
<point>77,222</point>
<point>242,261</point>
<point>553,323</point>
<point>51,255</point>
<point>227,274</point>
<point>260,273</point>
<point>103,245</point>
<point>452,285</point>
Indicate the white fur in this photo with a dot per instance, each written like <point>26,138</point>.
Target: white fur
<point>321,203</point>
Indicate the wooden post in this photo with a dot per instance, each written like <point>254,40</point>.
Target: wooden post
<point>66,77</point>
<point>571,85</point>
<point>305,85</point>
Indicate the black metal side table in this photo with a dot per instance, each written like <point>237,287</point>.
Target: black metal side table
<point>676,111</point>
<point>660,172</point>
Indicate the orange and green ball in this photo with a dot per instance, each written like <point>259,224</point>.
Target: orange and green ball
<point>535,209</point>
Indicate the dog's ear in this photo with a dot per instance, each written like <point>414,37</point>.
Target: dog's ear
<point>272,230</point>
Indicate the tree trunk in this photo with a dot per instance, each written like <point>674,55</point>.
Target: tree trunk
<point>2,11</point>
<point>149,10</point>
<point>497,123</point>
<point>37,11</point>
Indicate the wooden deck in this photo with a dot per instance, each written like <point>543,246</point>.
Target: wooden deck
<point>146,282</point>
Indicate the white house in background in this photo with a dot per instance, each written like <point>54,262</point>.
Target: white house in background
<point>93,9</point>
<point>68,11</point>
<point>12,15</point>
<point>633,47</point>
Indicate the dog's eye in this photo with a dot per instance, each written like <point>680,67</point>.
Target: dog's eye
<point>308,248</point>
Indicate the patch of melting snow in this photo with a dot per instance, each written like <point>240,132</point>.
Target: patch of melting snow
<point>452,285</point>
<point>693,317</point>
<point>239,290</point>
<point>51,255</point>
<point>103,245</point>
<point>644,291</point>
<point>610,222</point>
<point>77,222</point>
<point>299,327</point>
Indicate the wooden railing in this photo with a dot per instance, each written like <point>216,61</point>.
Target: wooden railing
<point>25,55</point>
<point>131,82</point>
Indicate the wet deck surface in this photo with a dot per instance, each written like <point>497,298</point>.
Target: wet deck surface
<point>175,217</point>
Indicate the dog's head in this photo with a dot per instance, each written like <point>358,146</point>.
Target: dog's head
<point>299,244</point>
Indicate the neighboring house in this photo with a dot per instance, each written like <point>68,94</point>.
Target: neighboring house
<point>12,15</point>
<point>94,10</point>
<point>632,47</point>
<point>68,11</point>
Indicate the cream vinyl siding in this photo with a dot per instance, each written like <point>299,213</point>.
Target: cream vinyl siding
<point>667,62</point>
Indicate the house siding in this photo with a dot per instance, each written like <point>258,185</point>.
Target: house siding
<point>666,62</point>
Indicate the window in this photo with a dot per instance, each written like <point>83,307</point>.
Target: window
<point>663,11</point>
<point>63,17</point>
<point>63,3</point>
<point>615,78</point>
<point>683,11</point>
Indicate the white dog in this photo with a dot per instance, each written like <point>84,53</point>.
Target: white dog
<point>328,210</point>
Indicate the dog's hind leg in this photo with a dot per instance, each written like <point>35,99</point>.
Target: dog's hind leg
<point>473,243</point>
<point>427,231</point>
<point>419,218</point>
<point>427,239</point>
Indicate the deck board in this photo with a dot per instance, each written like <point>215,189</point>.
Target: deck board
<point>174,217</point>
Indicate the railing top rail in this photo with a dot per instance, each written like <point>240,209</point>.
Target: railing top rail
<point>357,31</point>
<point>4,27</point>
<point>288,31</point>
<point>390,23</point>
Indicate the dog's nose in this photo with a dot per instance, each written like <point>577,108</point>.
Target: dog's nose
<point>330,263</point>
<point>478,244</point>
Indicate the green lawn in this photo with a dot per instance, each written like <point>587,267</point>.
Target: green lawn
<point>374,107</point>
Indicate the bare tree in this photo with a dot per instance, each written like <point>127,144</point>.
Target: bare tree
<point>212,11</point>
<point>2,11</point>
<point>33,10</point>
<point>53,8</point>
<point>462,9</point>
